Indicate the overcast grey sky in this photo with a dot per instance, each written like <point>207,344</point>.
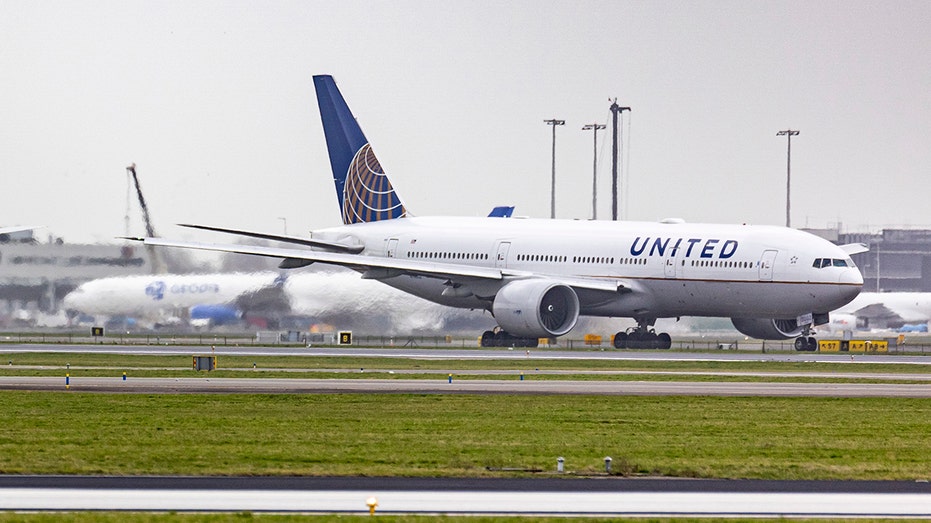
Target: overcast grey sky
<point>214,103</point>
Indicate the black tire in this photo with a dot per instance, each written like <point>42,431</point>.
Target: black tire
<point>488,339</point>
<point>664,341</point>
<point>635,340</point>
<point>620,340</point>
<point>801,344</point>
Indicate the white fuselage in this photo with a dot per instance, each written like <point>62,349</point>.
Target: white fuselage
<point>164,295</point>
<point>670,269</point>
<point>883,310</point>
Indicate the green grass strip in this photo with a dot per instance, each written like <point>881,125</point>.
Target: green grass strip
<point>462,435</point>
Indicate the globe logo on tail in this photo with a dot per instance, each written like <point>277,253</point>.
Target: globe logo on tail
<point>368,195</point>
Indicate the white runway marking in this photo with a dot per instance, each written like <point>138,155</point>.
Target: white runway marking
<point>473,502</point>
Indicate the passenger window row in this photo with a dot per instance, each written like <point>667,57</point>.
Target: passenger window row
<point>427,255</point>
<point>722,263</point>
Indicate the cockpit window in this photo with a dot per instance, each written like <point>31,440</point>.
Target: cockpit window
<point>832,262</point>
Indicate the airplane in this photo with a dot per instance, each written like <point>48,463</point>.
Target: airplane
<point>334,298</point>
<point>884,311</point>
<point>164,298</point>
<point>539,276</point>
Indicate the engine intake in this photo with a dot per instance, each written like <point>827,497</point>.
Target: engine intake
<point>536,308</point>
<point>766,329</point>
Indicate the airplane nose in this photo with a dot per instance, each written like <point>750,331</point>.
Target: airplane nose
<point>851,276</point>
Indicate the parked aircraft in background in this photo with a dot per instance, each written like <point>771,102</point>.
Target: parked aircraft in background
<point>908,311</point>
<point>538,277</point>
<point>339,299</point>
<point>168,298</point>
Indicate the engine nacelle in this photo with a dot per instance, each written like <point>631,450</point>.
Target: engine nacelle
<point>536,308</point>
<point>766,329</point>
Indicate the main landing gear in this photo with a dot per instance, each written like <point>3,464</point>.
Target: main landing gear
<point>642,337</point>
<point>642,340</point>
<point>500,338</point>
<point>806,344</point>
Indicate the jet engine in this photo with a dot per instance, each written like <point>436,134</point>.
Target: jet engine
<point>536,308</point>
<point>766,329</point>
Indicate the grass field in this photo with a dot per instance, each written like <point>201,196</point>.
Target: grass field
<point>462,435</point>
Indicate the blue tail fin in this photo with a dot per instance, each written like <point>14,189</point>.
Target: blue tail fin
<point>365,194</point>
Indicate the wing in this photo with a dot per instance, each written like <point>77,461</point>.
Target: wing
<point>375,267</point>
<point>854,248</point>
<point>330,246</point>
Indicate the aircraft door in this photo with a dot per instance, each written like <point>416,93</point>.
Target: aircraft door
<point>501,258</point>
<point>392,249</point>
<point>671,262</point>
<point>766,265</point>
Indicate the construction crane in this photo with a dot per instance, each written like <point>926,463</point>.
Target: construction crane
<point>155,258</point>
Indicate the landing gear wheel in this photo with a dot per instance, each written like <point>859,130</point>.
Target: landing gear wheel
<point>664,341</point>
<point>635,340</point>
<point>806,344</point>
<point>529,343</point>
<point>500,338</point>
<point>620,340</point>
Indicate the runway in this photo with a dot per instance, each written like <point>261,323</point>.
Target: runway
<point>543,496</point>
<point>207,385</point>
<point>465,384</point>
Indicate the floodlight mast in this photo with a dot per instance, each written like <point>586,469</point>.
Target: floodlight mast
<point>615,109</point>
<point>553,122</point>
<point>594,127</point>
<point>788,133</point>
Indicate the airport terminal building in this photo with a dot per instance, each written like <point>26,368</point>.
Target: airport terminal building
<point>34,277</point>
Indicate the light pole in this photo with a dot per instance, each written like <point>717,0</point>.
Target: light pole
<point>615,109</point>
<point>788,133</point>
<point>594,128</point>
<point>553,123</point>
